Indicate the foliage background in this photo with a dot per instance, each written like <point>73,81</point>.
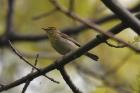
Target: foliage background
<point>12,68</point>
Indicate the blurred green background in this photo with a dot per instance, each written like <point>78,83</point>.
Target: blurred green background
<point>122,63</point>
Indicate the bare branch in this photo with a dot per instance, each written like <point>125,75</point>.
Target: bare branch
<point>28,82</point>
<point>123,14</point>
<point>68,80</point>
<point>22,58</point>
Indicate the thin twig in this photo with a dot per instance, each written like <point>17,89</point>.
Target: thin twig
<point>115,46</point>
<point>36,60</point>
<point>28,81</point>
<point>21,57</point>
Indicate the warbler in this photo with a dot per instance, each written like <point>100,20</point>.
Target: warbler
<point>63,43</point>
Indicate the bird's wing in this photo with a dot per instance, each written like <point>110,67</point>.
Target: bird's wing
<point>92,56</point>
<point>69,38</point>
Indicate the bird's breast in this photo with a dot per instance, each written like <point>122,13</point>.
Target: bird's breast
<point>63,46</point>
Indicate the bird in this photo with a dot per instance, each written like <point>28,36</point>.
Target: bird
<point>63,43</point>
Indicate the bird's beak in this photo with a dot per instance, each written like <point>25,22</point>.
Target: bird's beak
<point>44,29</point>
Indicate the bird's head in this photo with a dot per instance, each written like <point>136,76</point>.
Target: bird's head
<point>50,30</point>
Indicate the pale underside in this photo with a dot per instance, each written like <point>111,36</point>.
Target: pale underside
<point>63,45</point>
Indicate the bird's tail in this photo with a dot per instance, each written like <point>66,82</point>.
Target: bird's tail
<point>92,56</point>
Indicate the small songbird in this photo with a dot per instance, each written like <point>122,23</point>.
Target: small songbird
<point>63,43</point>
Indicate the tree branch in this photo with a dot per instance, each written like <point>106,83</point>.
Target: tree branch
<point>9,17</point>
<point>26,61</point>
<point>68,80</point>
<point>123,14</point>
<point>69,57</point>
<point>29,81</point>
<point>89,24</point>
